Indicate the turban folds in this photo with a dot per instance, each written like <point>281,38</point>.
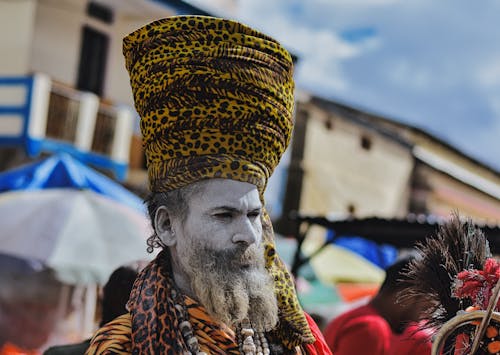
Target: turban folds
<point>215,99</point>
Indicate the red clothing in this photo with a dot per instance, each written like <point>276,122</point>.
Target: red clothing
<point>319,347</point>
<point>359,331</point>
<point>363,331</point>
<point>412,341</point>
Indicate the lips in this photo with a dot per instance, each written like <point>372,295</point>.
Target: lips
<point>247,261</point>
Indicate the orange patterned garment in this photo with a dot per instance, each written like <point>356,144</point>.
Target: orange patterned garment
<point>115,337</point>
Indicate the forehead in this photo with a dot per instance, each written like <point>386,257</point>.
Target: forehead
<point>214,193</point>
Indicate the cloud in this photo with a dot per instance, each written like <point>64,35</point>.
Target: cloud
<point>488,74</point>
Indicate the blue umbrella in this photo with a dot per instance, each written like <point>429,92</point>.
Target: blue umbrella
<point>63,171</point>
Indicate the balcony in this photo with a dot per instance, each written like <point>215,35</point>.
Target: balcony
<point>41,115</point>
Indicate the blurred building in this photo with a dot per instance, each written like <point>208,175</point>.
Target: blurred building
<point>349,163</point>
<point>63,86</point>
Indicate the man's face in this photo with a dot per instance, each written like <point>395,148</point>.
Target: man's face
<point>219,254</point>
<point>222,214</point>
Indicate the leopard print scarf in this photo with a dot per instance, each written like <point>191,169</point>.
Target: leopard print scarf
<point>155,319</point>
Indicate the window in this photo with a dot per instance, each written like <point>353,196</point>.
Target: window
<point>366,143</point>
<point>100,12</point>
<point>93,59</point>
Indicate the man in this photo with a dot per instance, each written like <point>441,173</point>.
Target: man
<point>215,99</point>
<point>115,295</point>
<point>383,326</point>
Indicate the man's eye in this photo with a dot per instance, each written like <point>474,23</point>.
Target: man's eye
<point>223,215</point>
<point>254,215</point>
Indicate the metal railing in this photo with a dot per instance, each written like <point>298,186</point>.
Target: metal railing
<point>62,117</point>
<point>42,115</point>
<point>104,131</point>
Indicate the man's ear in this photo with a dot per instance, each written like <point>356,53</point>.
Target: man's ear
<point>163,226</point>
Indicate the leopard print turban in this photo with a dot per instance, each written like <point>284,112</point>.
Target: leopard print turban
<point>215,99</point>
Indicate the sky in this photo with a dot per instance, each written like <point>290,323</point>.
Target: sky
<point>432,64</point>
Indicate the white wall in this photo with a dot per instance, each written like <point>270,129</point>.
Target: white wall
<point>339,173</point>
<point>117,80</point>
<point>57,39</point>
<point>57,43</point>
<point>16,29</point>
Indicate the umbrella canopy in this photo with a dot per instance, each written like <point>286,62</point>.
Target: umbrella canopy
<point>62,170</point>
<point>335,264</point>
<point>80,234</point>
<point>314,295</point>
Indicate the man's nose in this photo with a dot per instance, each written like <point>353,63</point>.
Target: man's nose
<point>246,233</point>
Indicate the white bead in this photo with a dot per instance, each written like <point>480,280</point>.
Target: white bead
<point>192,341</point>
<point>247,332</point>
<point>248,348</point>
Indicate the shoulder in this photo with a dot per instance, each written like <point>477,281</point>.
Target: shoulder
<point>112,338</point>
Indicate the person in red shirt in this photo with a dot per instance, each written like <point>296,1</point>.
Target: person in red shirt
<point>384,326</point>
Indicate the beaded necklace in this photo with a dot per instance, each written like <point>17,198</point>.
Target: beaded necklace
<point>249,341</point>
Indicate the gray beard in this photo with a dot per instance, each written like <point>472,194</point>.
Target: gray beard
<point>232,285</point>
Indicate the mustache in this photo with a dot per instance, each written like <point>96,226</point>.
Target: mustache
<point>237,257</point>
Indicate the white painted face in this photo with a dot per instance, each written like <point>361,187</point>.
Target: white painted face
<point>223,213</point>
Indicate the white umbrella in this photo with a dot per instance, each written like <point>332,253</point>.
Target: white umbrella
<point>80,234</point>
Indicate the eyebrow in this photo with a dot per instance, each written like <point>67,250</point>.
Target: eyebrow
<point>234,209</point>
